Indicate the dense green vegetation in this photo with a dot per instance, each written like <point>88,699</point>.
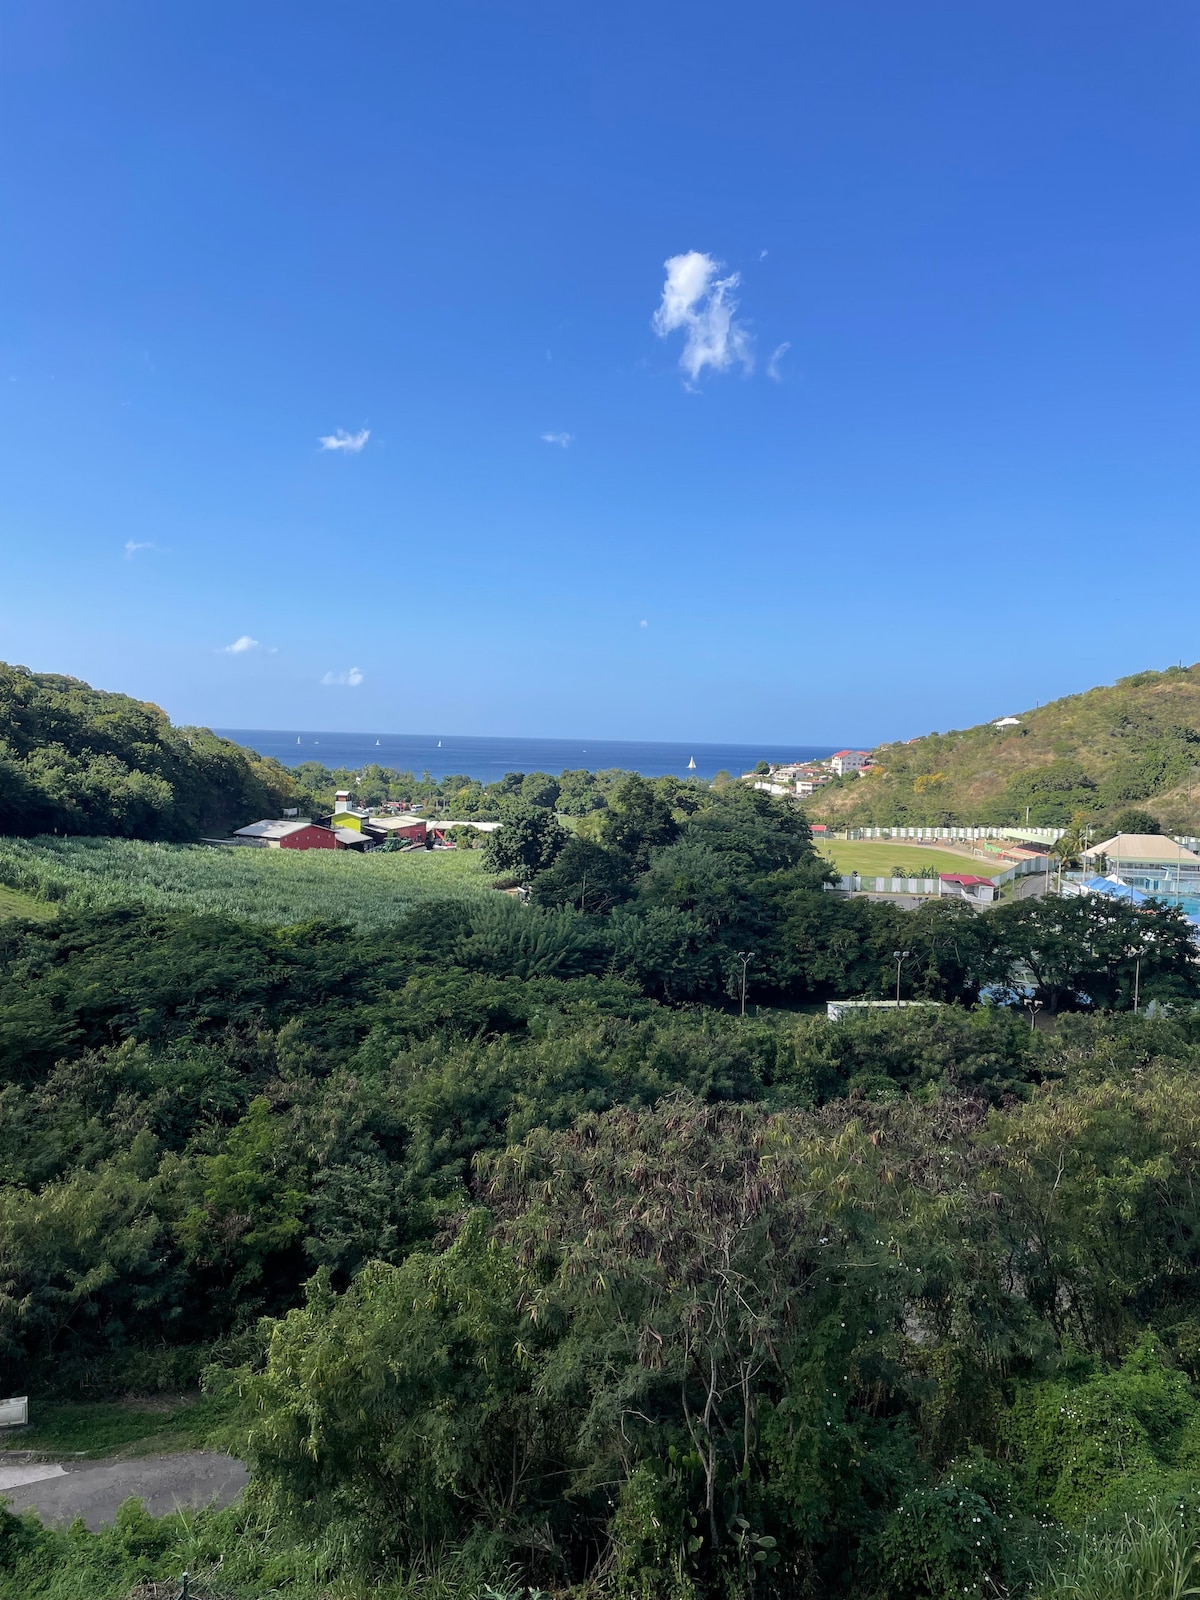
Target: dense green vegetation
<point>1088,756</point>
<point>275,886</point>
<point>508,1253</point>
<point>75,760</point>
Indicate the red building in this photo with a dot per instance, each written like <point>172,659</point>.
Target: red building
<point>296,834</point>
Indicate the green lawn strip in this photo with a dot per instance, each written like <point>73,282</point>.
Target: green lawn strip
<point>15,904</point>
<point>875,859</point>
<point>105,1428</point>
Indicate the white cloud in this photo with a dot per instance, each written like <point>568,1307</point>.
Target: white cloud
<point>777,356</point>
<point>240,646</point>
<point>563,439</point>
<point>643,623</point>
<point>132,546</point>
<point>695,299</point>
<point>344,680</point>
<point>339,439</point>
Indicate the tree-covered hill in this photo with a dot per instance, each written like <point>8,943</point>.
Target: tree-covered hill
<point>1135,742</point>
<point>74,759</point>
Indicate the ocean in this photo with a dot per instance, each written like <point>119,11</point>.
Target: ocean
<point>489,759</point>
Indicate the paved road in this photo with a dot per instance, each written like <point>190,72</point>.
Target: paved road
<point>94,1490</point>
<point>1033,886</point>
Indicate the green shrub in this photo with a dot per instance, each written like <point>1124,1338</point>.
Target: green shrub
<point>1080,1443</point>
<point>941,1542</point>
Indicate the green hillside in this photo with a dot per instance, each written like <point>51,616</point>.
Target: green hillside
<point>77,760</point>
<point>1134,743</point>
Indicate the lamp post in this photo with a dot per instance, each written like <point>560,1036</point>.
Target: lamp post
<point>899,957</point>
<point>745,957</point>
<point>1033,1007</point>
<point>1137,951</point>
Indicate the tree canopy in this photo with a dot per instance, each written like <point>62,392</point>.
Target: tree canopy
<point>74,759</point>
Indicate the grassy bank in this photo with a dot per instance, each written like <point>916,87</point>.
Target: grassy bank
<point>110,1428</point>
<point>14,903</point>
<point>272,886</point>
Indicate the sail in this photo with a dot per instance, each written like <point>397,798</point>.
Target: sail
<point>692,764</point>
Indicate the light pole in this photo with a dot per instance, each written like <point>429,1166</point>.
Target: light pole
<point>745,957</point>
<point>1033,1007</point>
<point>899,957</point>
<point>1137,952</point>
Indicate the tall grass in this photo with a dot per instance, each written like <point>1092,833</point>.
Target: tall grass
<point>273,886</point>
<point>235,1554</point>
<point>1154,1555</point>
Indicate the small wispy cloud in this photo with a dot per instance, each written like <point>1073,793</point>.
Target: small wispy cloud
<point>240,646</point>
<point>700,302</point>
<point>132,546</point>
<point>643,623</point>
<point>563,440</point>
<point>343,680</point>
<point>777,356</point>
<point>351,443</point>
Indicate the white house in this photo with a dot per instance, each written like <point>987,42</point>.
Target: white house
<point>844,762</point>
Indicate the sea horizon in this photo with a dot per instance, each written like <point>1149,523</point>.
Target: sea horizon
<point>488,757</point>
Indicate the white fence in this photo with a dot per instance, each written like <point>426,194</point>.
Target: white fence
<point>1037,835</point>
<point>855,883</point>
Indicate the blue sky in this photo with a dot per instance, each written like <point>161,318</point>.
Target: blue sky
<point>917,419</point>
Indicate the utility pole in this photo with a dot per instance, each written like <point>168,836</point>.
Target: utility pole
<point>745,957</point>
<point>899,957</point>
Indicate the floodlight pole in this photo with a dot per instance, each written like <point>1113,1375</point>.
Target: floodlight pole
<point>899,957</point>
<point>1034,1006</point>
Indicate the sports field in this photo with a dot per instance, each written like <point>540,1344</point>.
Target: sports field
<point>276,886</point>
<point>875,858</point>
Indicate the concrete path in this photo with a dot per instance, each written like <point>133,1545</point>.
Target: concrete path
<point>28,1472</point>
<point>95,1489</point>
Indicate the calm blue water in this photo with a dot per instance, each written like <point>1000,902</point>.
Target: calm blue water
<point>489,759</point>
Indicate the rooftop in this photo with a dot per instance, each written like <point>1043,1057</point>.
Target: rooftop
<point>269,829</point>
<point>1144,847</point>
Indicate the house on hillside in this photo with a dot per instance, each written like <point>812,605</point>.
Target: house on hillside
<point>296,833</point>
<point>847,762</point>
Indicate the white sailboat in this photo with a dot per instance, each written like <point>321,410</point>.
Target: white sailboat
<point>692,764</point>
<point>439,744</point>
<point>377,744</point>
